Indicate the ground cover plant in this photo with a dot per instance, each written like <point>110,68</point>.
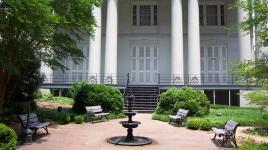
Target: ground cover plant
<point>219,114</point>
<point>249,144</point>
<point>56,99</point>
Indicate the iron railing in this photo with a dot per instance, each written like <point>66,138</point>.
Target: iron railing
<point>125,79</point>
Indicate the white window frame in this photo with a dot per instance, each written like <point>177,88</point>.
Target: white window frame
<point>222,60</point>
<point>135,79</point>
<point>204,6</point>
<point>138,5</point>
<point>71,74</point>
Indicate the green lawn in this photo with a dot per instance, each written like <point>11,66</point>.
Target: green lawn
<point>244,116</point>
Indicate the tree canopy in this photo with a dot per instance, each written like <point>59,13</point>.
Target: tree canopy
<point>41,30</point>
<point>256,71</point>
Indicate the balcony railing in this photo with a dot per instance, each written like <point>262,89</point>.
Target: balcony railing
<point>123,79</point>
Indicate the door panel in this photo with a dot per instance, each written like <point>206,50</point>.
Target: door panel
<point>144,64</point>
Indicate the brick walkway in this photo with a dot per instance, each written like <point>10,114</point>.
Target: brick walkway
<point>93,137</point>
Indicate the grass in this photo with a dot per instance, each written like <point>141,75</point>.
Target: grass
<point>253,146</point>
<point>56,100</point>
<point>244,116</point>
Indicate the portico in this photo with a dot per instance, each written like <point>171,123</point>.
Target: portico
<point>180,66</point>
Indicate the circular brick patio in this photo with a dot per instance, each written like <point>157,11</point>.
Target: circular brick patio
<point>90,136</point>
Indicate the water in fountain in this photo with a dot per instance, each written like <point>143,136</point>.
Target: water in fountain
<point>130,140</point>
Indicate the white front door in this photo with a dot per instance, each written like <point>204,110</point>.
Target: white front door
<point>144,64</point>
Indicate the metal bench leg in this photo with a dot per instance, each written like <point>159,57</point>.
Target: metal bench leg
<point>224,140</point>
<point>234,141</point>
<point>107,118</point>
<point>46,129</point>
<point>35,130</point>
<point>214,136</point>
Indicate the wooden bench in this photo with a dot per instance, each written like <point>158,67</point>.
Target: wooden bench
<point>180,116</point>
<point>96,111</point>
<point>35,123</point>
<point>227,133</point>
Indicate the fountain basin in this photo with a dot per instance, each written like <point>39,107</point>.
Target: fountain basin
<point>127,124</point>
<point>123,140</point>
<point>130,113</point>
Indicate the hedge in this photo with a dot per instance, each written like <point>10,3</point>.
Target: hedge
<point>110,98</point>
<point>8,138</point>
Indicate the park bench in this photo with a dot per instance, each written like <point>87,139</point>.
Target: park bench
<point>180,116</point>
<point>96,111</point>
<point>228,132</point>
<point>35,123</point>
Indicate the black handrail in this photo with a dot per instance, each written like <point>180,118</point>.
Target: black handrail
<point>126,84</point>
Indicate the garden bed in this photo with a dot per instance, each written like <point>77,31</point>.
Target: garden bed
<point>218,115</point>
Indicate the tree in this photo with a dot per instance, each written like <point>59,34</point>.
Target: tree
<point>256,71</point>
<point>44,30</point>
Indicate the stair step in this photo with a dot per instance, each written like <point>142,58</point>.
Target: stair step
<point>146,97</point>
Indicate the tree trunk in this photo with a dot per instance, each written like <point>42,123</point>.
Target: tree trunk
<point>3,87</point>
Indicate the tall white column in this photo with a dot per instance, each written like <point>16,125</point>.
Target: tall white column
<point>110,67</point>
<point>47,72</point>
<point>177,41</point>
<point>95,48</point>
<point>245,48</point>
<point>193,42</point>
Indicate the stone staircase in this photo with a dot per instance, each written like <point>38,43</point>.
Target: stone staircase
<point>146,97</point>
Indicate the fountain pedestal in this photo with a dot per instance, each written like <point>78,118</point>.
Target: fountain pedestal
<point>130,139</point>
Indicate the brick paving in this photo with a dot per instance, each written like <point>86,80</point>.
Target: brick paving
<point>90,136</point>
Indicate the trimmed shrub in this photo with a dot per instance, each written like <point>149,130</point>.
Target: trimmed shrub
<point>205,125</point>
<point>8,138</point>
<point>193,123</point>
<point>110,98</point>
<point>79,119</point>
<point>193,100</point>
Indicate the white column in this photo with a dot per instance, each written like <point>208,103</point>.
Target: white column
<point>193,42</point>
<point>110,67</point>
<point>95,48</point>
<point>244,38</point>
<point>176,41</point>
<point>48,72</point>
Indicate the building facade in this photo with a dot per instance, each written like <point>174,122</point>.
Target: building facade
<point>162,42</point>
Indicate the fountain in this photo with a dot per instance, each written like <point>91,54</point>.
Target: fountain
<point>130,140</point>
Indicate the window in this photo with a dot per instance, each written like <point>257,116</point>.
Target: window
<point>144,15</point>
<point>211,15</point>
<point>214,63</point>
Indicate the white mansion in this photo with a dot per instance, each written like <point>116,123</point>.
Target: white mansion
<point>163,42</point>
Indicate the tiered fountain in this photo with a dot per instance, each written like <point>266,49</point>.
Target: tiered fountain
<point>130,140</point>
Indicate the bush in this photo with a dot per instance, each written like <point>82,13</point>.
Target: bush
<point>205,125</point>
<point>79,119</point>
<point>110,98</point>
<point>193,100</point>
<point>8,138</point>
<point>193,123</point>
